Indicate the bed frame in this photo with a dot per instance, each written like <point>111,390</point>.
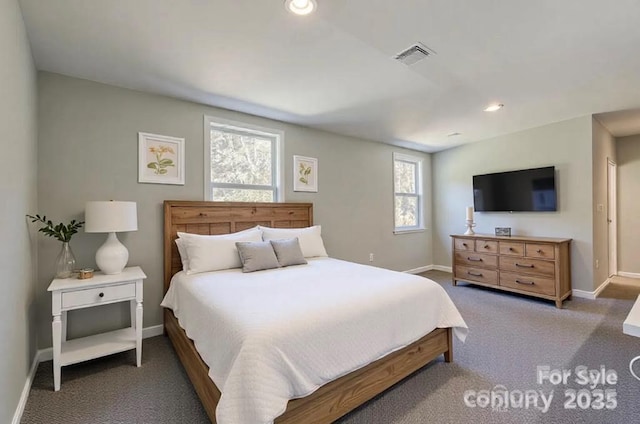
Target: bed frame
<point>330,401</point>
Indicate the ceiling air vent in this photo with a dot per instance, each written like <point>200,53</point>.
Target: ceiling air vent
<point>414,54</point>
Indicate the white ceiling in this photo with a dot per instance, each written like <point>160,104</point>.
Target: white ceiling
<point>546,60</point>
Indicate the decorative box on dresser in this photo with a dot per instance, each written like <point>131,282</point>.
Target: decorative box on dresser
<point>535,266</point>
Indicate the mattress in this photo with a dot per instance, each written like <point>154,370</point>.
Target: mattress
<point>275,335</point>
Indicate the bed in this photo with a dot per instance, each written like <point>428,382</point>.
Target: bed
<point>331,400</point>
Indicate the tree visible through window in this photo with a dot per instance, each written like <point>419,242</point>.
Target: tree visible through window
<point>241,162</point>
<point>407,187</point>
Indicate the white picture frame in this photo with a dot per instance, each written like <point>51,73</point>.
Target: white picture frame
<point>160,159</point>
<point>305,174</point>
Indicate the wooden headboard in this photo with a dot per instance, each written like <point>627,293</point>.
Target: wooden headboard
<point>211,218</point>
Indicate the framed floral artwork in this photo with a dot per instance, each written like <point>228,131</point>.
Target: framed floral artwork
<point>160,159</point>
<point>305,174</point>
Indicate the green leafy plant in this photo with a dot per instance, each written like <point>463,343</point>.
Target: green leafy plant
<point>304,172</point>
<point>161,164</point>
<point>60,231</point>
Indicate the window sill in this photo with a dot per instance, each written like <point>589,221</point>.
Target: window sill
<point>412,230</point>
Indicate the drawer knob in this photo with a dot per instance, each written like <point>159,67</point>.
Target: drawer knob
<point>511,249</point>
<point>464,244</point>
<point>101,294</point>
<point>539,251</point>
<point>486,246</point>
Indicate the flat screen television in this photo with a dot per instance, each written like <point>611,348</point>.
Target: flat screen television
<point>526,190</point>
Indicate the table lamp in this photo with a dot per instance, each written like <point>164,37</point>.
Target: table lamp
<point>111,217</point>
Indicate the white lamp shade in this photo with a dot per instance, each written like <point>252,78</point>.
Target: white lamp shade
<point>110,217</point>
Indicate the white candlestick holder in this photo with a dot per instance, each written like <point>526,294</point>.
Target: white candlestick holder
<point>470,225</point>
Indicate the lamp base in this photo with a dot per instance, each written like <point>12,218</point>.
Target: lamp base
<point>112,256</point>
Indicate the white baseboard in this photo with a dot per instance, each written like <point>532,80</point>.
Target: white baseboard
<point>419,270</point>
<point>629,274</point>
<point>43,355</point>
<point>156,330</point>
<point>17,416</point>
<point>429,268</point>
<point>590,294</point>
<point>443,268</point>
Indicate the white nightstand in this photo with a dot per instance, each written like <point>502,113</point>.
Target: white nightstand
<point>71,293</point>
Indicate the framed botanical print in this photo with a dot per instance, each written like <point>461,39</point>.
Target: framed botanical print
<point>160,159</point>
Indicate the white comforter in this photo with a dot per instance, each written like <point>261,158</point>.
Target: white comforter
<point>271,336</point>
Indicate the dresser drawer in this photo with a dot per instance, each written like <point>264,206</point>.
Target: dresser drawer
<point>528,266</point>
<point>480,275</point>
<point>528,283</point>
<point>463,244</point>
<point>511,248</point>
<point>96,296</point>
<point>486,246</point>
<point>546,251</point>
<point>476,259</point>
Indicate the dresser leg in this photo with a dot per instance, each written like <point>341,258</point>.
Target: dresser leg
<point>139,334</point>
<point>56,327</point>
<point>559,304</point>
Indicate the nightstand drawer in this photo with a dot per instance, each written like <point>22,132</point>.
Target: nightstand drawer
<point>98,295</point>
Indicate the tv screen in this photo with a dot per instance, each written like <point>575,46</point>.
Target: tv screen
<point>527,190</point>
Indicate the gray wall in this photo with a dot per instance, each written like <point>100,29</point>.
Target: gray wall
<point>18,191</point>
<point>566,145</point>
<point>603,148</point>
<point>628,159</point>
<point>88,151</point>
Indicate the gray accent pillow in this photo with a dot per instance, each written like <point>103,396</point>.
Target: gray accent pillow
<point>256,255</point>
<point>288,252</point>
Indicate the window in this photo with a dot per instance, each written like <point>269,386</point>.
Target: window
<point>407,190</point>
<point>241,162</point>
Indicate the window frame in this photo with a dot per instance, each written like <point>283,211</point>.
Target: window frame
<point>237,127</point>
<point>419,193</point>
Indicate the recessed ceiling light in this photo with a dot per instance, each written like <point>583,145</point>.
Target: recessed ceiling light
<point>494,107</point>
<point>301,7</point>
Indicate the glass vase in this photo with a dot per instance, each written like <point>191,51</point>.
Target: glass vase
<point>66,262</point>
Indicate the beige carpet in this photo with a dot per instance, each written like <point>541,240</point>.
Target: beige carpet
<point>510,336</point>
<point>621,288</point>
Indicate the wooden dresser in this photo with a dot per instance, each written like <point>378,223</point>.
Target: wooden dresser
<point>534,266</point>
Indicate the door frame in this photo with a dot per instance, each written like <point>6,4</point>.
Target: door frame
<point>612,213</point>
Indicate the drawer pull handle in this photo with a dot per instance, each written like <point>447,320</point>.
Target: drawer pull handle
<point>528,283</point>
<point>474,259</point>
<point>475,274</point>
<point>524,266</point>
<point>101,294</point>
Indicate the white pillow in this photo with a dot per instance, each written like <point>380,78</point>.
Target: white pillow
<point>309,238</point>
<point>182,249</point>
<point>213,253</point>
